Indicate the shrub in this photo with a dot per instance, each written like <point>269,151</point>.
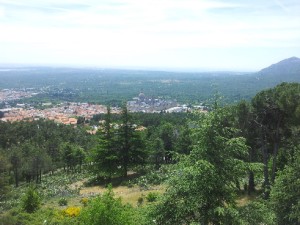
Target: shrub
<point>154,177</point>
<point>31,201</point>
<point>72,211</point>
<point>152,196</point>
<point>8,219</point>
<point>63,202</point>
<point>84,201</point>
<point>46,216</point>
<point>108,210</point>
<point>256,212</point>
<point>140,201</point>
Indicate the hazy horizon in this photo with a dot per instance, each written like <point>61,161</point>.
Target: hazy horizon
<point>11,66</point>
<point>171,35</point>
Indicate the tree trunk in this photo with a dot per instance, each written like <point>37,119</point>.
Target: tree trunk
<point>266,173</point>
<point>275,152</point>
<point>40,180</point>
<point>16,177</point>
<point>125,167</point>
<point>251,183</point>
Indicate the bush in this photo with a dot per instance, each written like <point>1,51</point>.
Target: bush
<point>154,177</point>
<point>108,210</point>
<point>84,201</point>
<point>31,201</point>
<point>8,219</point>
<point>256,212</point>
<point>45,216</point>
<point>72,211</point>
<point>63,202</point>
<point>140,201</point>
<point>152,196</point>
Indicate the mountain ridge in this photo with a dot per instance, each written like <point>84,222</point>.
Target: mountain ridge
<point>286,66</point>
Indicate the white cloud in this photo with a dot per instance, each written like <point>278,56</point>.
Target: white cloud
<point>129,31</point>
<point>2,12</point>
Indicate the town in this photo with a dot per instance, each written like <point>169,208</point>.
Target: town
<point>15,94</point>
<point>68,112</point>
<point>146,104</point>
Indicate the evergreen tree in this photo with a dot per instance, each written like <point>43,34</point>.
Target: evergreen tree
<point>130,143</point>
<point>184,142</point>
<point>156,150</point>
<point>248,129</point>
<point>285,194</point>
<point>105,155</point>
<point>4,176</point>
<point>15,158</point>
<point>31,201</point>
<point>168,138</point>
<point>275,111</point>
<point>202,190</point>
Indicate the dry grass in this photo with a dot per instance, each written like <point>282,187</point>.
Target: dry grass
<point>128,194</point>
<point>245,199</point>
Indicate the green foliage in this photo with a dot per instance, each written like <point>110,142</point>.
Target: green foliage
<point>188,194</point>
<point>140,201</point>
<point>184,142</point>
<point>73,155</point>
<point>62,202</point>
<point>256,212</point>
<point>4,178</point>
<point>59,184</point>
<point>47,216</point>
<point>275,112</point>
<point>156,150</point>
<point>84,201</point>
<point>53,186</point>
<point>203,187</point>
<point>105,154</point>
<point>126,139</point>
<point>152,196</point>
<point>31,201</point>
<point>285,194</point>
<point>108,210</point>
<point>35,161</point>
<point>118,148</point>
<point>8,220</point>
<point>37,147</point>
<point>167,136</point>
<point>80,120</point>
<point>153,176</point>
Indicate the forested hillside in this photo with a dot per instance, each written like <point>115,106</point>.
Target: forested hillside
<point>237,164</point>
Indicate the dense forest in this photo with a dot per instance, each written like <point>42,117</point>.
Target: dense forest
<point>236,164</point>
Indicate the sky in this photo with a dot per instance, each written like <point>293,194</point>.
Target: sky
<point>234,35</point>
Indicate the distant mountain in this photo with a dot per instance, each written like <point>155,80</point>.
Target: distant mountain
<point>287,70</point>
